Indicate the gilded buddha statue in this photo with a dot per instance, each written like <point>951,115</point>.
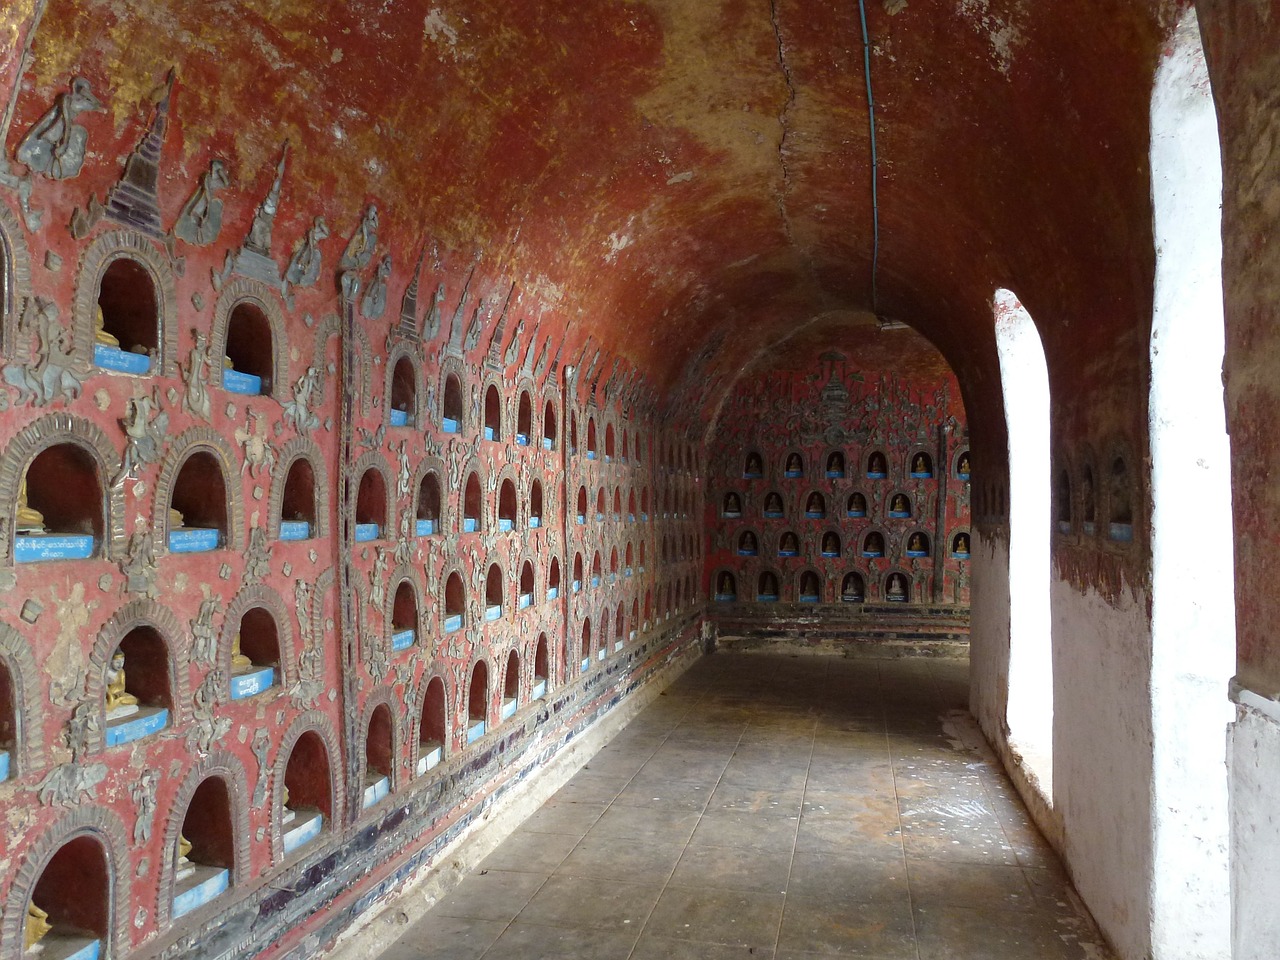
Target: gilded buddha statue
<point>120,702</point>
<point>30,520</point>
<point>37,926</point>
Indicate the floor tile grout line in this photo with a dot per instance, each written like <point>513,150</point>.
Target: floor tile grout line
<point>795,840</point>
<point>902,834</point>
<point>666,883</point>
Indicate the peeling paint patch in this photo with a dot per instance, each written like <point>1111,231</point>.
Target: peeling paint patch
<point>437,30</point>
<point>894,7</point>
<point>1003,35</point>
<point>617,243</point>
<point>680,178</point>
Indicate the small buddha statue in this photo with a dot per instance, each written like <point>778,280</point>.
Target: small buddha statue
<point>183,868</point>
<point>726,587</point>
<point>754,465</point>
<point>731,504</point>
<point>920,465</point>
<point>287,815</point>
<point>814,505</point>
<point>858,503</point>
<point>30,520</point>
<point>100,334</point>
<point>875,544</point>
<point>834,464</point>
<point>962,544</point>
<point>897,588</point>
<point>120,703</point>
<point>917,543</point>
<point>773,504</point>
<point>790,543</point>
<point>793,464</point>
<point>876,464</point>
<point>963,466</point>
<point>37,926</point>
<point>829,544</point>
<point>899,504</point>
<point>748,541</point>
<point>239,662</point>
<point>176,520</point>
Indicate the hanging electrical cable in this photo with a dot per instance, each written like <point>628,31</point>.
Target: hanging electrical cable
<point>875,164</point>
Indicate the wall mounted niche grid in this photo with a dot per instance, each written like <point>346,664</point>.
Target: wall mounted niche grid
<point>124,274</point>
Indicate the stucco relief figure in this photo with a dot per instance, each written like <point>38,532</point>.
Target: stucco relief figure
<point>374,303</point>
<point>431,322</point>
<point>264,218</point>
<point>195,400</point>
<point>304,265</point>
<point>513,348</point>
<point>52,373</point>
<point>475,329</point>
<point>119,702</point>
<point>298,410</point>
<point>145,427</point>
<point>143,792</point>
<point>360,247</point>
<point>139,563</point>
<point>55,144</point>
<point>200,221</point>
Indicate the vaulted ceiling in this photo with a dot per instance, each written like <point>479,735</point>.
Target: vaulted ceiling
<point>687,180</point>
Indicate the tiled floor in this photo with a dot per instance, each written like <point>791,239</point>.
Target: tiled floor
<point>776,807</point>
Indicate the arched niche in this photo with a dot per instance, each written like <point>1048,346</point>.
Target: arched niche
<point>836,468</point>
<point>455,602</point>
<point>478,701</point>
<point>1063,506</point>
<point>608,443</point>
<point>1120,497</point>
<point>553,579</point>
<point>541,667</point>
<point>617,503</point>
<point>378,763</point>
<point>809,586</point>
<point>622,454</point>
<point>788,544</point>
<point>510,687</point>
<point>492,413</point>
<point>648,607</point>
<point>874,543</point>
<point>830,544</point>
<point>577,572</point>
<point>78,874</point>
<point>897,587</point>
<point>20,706</point>
<point>524,419</point>
<point>920,464</point>
<point>749,543</point>
<point>573,433</point>
<point>815,505</point>
<point>131,280</point>
<point>493,593</point>
<point>767,586</point>
<point>629,557</point>
<point>631,506</point>
<point>753,465</point>
<point>211,811</point>
<point>731,505</point>
<point>600,505</point>
<point>581,507</point>
<point>962,464</point>
<point>961,544</point>
<point>526,586</point>
<point>299,506</point>
<point>900,506</point>
<point>264,625</point>
<point>507,505</point>
<point>426,508</point>
<point>155,640</point>
<point>876,465</point>
<point>15,277</point>
<point>249,331</point>
<point>596,569</point>
<point>549,420</point>
<point>404,610</point>
<point>853,588</point>
<point>793,465</point>
<point>305,774</point>
<point>584,646</point>
<point>535,504</point>
<point>613,564</point>
<point>591,438</point>
<point>403,387</point>
<point>472,512</point>
<point>1088,494</point>
<point>196,479</point>
<point>619,629</point>
<point>918,544</point>
<point>451,408</point>
<point>725,586</point>
<point>855,506</point>
<point>774,506</point>
<point>433,726</point>
<point>73,462</point>
<point>372,507</point>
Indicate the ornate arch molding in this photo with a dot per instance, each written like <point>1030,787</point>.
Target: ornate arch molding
<point>453,366</point>
<point>258,294</point>
<point>383,697</point>
<point>300,448</point>
<point>432,465</point>
<point>404,573</point>
<point>464,701</point>
<point>415,720</point>
<point>373,460</point>
<point>100,824</point>
<point>313,721</point>
<point>406,350</point>
<point>28,707</point>
<point>49,431</point>
<point>15,277</point>
<point>190,441</point>
<point>473,465</point>
<point>260,595</point>
<point>454,565</point>
<point>506,418</point>
<point>227,767</point>
<point>97,257</point>
<point>143,612</point>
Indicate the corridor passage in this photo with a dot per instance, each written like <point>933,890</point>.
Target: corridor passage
<point>771,806</point>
